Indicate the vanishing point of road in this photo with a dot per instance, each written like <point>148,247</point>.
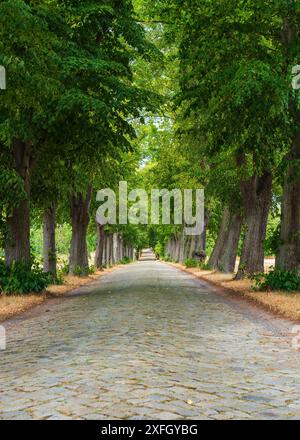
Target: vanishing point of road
<point>149,341</point>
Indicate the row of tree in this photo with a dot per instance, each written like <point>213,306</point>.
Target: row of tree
<point>67,119</point>
<point>111,249</point>
<point>83,78</point>
<point>236,116</point>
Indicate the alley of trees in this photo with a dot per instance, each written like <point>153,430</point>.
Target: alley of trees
<point>161,94</point>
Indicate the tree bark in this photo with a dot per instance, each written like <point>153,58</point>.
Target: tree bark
<point>99,256</point>
<point>108,243</point>
<point>199,241</point>
<point>229,252</point>
<point>203,236</point>
<point>214,259</point>
<point>107,249</point>
<point>17,243</point>
<point>187,247</point>
<point>116,241</point>
<point>169,249</point>
<point>288,257</point>
<point>49,243</point>
<point>173,248</point>
<point>111,249</point>
<point>223,257</point>
<point>181,245</point>
<point>80,206</point>
<point>192,246</point>
<point>104,258</point>
<point>120,248</point>
<point>177,247</point>
<point>256,195</point>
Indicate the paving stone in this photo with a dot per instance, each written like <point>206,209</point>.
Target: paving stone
<point>149,342</point>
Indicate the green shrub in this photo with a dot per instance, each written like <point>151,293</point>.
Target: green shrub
<point>167,259</point>
<point>82,272</point>
<point>92,270</point>
<point>21,278</point>
<point>125,260</point>
<point>159,250</point>
<point>58,279</point>
<point>277,279</point>
<point>190,263</point>
<point>204,266</point>
<point>64,269</point>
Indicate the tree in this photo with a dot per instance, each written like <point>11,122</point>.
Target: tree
<point>69,105</point>
<point>27,51</point>
<point>231,77</point>
<point>288,257</point>
<point>110,41</point>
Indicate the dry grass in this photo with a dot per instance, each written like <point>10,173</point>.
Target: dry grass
<point>15,304</point>
<point>285,304</point>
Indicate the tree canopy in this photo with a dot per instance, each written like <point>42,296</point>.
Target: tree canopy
<point>165,94</point>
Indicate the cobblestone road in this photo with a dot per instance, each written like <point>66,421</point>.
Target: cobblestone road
<point>149,341</point>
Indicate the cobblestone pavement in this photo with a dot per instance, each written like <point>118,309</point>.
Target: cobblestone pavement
<point>149,341</point>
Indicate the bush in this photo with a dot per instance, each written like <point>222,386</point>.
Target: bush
<point>204,266</point>
<point>272,241</point>
<point>79,271</point>
<point>190,263</point>
<point>167,259</point>
<point>277,279</point>
<point>64,269</point>
<point>159,250</point>
<point>92,270</point>
<point>23,279</point>
<point>125,260</point>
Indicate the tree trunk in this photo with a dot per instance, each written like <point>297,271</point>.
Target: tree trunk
<point>177,247</point>
<point>229,252</point>
<point>192,247</point>
<point>203,236</point>
<point>107,249</point>
<point>181,246</point>
<point>121,247</point>
<point>256,195</point>
<point>288,257</point>
<point>214,259</point>
<point>49,243</point>
<point>223,257</point>
<point>116,246</point>
<point>104,258</point>
<point>173,248</point>
<point>99,256</point>
<point>187,247</point>
<point>17,243</point>
<point>199,242</point>
<point>80,206</point>
<point>169,249</point>
<point>111,249</point>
